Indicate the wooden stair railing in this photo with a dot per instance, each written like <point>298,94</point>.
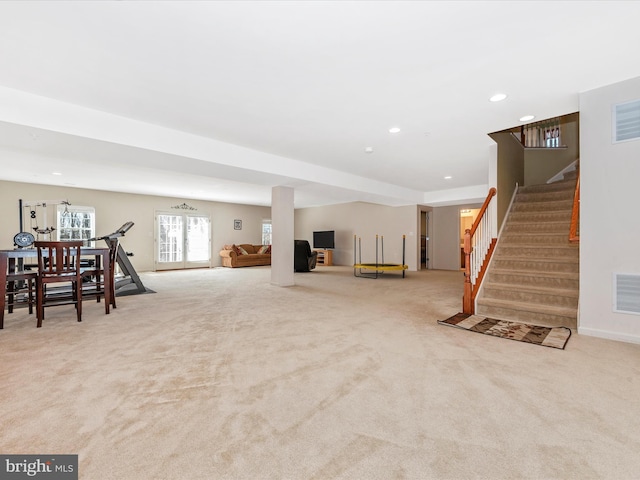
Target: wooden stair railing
<point>574,236</point>
<point>479,243</point>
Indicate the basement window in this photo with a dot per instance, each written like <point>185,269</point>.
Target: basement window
<point>76,223</point>
<point>266,232</point>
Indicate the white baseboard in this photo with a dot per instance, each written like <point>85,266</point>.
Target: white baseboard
<point>621,337</point>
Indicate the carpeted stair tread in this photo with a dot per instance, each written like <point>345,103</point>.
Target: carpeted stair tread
<point>546,205</point>
<point>535,224</point>
<point>541,278</point>
<point>537,238</point>
<point>568,185</point>
<point>538,265</point>
<point>542,206</point>
<point>540,246</point>
<point>539,227</point>
<point>539,197</point>
<point>550,297</point>
<point>541,259</point>
<point>529,273</point>
<point>534,237</point>
<point>532,250</point>
<point>530,307</point>
<point>556,215</point>
<point>560,292</point>
<point>538,318</point>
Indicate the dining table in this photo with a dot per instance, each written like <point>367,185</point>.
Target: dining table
<point>10,259</point>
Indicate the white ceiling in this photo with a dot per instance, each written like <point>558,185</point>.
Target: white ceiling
<point>224,100</point>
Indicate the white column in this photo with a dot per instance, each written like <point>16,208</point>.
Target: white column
<point>282,216</point>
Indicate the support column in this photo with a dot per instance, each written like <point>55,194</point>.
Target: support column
<point>282,236</point>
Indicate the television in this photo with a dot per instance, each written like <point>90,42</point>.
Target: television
<point>324,240</point>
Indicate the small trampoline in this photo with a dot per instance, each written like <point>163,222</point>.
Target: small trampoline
<point>377,268</point>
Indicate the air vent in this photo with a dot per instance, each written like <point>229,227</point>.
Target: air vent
<point>626,121</point>
<point>627,293</point>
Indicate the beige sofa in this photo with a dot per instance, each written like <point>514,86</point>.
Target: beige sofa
<point>234,256</point>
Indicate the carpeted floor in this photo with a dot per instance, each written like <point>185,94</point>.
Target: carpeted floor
<point>221,375</point>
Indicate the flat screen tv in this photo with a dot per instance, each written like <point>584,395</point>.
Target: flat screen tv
<point>324,239</point>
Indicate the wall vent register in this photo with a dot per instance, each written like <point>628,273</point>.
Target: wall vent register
<point>626,121</point>
<point>626,289</point>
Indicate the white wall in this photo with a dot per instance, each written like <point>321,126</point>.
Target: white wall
<point>366,220</point>
<point>609,230</point>
<point>114,209</point>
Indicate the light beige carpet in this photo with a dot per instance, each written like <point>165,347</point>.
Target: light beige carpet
<point>220,375</point>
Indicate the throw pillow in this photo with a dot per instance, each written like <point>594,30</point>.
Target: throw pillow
<point>263,249</point>
<point>268,249</point>
<point>241,251</point>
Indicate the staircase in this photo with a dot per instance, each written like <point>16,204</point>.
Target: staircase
<point>534,274</point>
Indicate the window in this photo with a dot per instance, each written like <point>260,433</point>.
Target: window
<point>266,232</point>
<point>75,222</point>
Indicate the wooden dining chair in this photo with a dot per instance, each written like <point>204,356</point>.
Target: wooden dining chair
<point>58,262</point>
<point>96,279</point>
<point>20,288</point>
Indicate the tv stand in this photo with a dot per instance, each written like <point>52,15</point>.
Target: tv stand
<point>325,257</point>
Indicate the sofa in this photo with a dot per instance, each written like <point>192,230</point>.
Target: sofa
<point>245,255</point>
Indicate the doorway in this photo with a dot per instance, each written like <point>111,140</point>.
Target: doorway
<point>467,217</point>
<point>183,240</point>
<point>424,240</point>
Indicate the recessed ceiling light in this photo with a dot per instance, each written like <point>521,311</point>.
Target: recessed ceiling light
<point>448,177</point>
<point>394,130</point>
<point>56,173</point>
<point>498,97</point>
<point>368,149</point>
<point>526,118</point>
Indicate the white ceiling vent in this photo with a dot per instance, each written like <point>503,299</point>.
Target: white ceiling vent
<point>626,289</point>
<point>626,121</point>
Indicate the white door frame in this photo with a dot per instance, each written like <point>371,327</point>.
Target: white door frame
<point>184,243</point>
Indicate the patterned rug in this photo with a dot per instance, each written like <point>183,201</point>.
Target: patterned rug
<point>554,337</point>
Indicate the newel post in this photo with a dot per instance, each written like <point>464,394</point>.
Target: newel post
<point>467,299</point>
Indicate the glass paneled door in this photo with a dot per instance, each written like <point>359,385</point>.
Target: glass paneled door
<point>183,240</point>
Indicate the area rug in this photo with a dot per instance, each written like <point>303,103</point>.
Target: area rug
<point>554,337</point>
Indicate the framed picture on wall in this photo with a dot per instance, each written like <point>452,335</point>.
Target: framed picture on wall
<point>237,224</point>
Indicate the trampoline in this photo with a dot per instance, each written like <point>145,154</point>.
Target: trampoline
<point>379,267</point>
